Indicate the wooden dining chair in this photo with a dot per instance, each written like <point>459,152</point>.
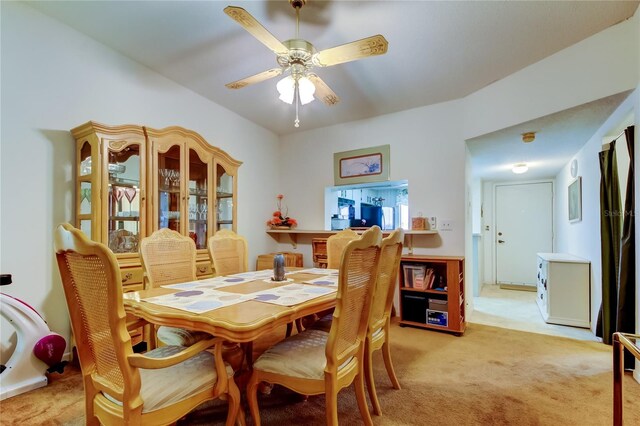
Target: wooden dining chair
<point>169,257</point>
<point>121,387</point>
<point>229,252</point>
<point>335,247</point>
<point>380,319</point>
<point>316,362</point>
<point>336,244</point>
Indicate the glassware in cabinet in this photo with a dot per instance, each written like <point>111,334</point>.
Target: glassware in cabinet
<point>198,201</point>
<point>225,190</point>
<point>169,187</point>
<point>123,197</point>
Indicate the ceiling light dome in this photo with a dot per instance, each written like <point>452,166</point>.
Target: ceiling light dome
<point>519,168</point>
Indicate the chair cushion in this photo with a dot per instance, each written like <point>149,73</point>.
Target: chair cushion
<point>301,355</point>
<point>173,336</point>
<point>377,333</point>
<point>166,386</point>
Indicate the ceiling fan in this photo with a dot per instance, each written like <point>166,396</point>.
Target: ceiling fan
<point>297,58</point>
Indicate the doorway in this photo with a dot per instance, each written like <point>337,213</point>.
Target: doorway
<point>524,227</point>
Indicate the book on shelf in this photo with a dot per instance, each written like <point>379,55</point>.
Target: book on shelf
<point>414,276</point>
<point>430,276</point>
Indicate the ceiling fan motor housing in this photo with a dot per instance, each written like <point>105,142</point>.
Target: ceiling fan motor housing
<point>299,57</point>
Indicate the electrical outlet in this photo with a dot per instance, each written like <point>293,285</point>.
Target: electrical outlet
<point>433,224</point>
<point>446,225</point>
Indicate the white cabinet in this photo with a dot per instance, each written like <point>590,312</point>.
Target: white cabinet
<point>563,289</point>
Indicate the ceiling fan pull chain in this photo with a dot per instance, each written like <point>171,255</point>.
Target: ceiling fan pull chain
<point>296,99</point>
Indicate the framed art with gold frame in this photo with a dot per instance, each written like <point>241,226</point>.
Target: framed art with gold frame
<point>361,165</point>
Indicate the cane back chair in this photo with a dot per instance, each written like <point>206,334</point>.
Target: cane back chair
<point>169,257</point>
<point>380,320</point>
<point>315,362</point>
<point>122,387</point>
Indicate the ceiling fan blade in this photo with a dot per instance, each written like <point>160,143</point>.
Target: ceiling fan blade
<point>370,46</point>
<point>324,92</point>
<point>265,75</point>
<point>256,29</point>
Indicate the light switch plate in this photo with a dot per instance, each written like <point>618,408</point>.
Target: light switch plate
<point>433,223</point>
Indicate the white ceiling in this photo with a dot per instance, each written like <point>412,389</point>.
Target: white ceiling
<point>558,137</point>
<point>438,50</point>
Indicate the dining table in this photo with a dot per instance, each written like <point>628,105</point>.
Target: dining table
<point>258,314</point>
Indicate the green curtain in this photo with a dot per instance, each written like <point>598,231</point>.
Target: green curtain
<point>626,312</point>
<point>610,242</point>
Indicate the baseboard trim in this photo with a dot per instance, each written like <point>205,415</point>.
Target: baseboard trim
<point>520,287</point>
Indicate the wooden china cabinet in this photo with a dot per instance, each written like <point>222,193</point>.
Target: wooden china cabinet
<point>132,180</point>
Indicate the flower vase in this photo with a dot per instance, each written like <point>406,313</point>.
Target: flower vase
<point>281,228</point>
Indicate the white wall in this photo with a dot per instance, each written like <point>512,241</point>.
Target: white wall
<point>54,79</point>
<point>426,149</point>
<point>599,66</point>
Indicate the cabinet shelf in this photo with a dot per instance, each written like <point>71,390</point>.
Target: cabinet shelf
<point>224,222</point>
<point>224,195</point>
<point>169,191</point>
<point>422,325</point>
<point>124,183</point>
<point>422,290</point>
<point>124,218</point>
<point>431,308</point>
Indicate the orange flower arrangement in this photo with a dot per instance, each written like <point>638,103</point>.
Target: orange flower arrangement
<point>279,218</point>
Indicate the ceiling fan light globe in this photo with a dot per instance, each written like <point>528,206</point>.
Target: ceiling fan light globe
<point>286,87</point>
<point>306,90</point>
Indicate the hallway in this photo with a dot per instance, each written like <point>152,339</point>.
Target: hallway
<point>518,310</point>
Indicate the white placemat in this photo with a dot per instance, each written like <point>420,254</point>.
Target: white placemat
<point>291,294</point>
<point>316,271</point>
<point>198,301</point>
<point>328,280</point>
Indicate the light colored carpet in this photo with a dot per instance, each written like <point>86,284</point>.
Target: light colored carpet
<point>488,376</point>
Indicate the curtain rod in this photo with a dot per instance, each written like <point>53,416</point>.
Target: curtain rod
<point>621,133</point>
<point>607,146</point>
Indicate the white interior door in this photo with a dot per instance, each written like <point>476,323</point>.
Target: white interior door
<point>524,227</point>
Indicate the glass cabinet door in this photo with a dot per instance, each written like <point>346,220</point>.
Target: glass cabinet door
<point>85,201</point>
<point>224,199</point>
<point>123,198</point>
<point>198,203</point>
<point>169,189</point>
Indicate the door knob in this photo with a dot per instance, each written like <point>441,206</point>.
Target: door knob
<point>500,241</point>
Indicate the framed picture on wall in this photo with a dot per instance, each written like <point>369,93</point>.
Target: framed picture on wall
<point>575,200</point>
<point>361,165</point>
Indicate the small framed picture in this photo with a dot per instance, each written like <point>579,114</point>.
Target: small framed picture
<point>575,200</point>
<point>361,165</point>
